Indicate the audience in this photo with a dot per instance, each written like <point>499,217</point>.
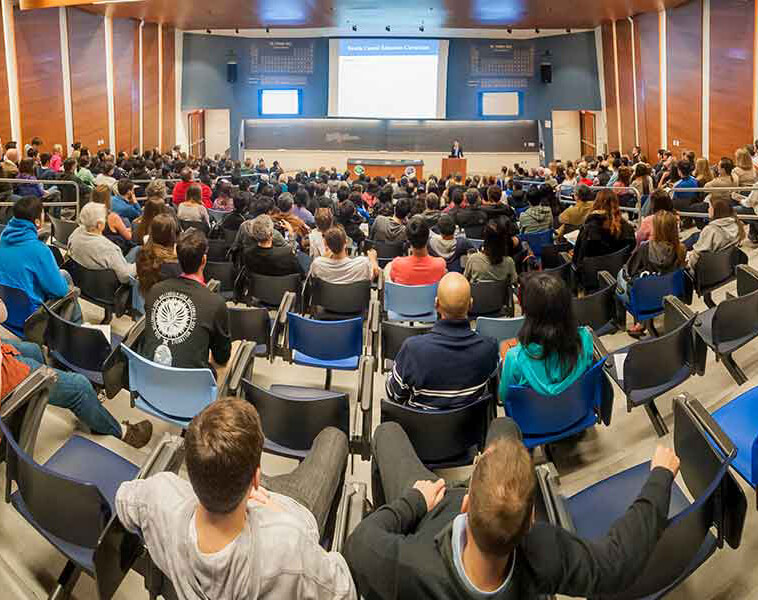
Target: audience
<point>446,245</point>
<point>480,540</point>
<point>124,202</point>
<point>659,200</point>
<point>492,263</point>
<point>157,259</point>
<point>153,207</point>
<point>392,229</point>
<point>463,361</point>
<point>723,230</point>
<point>419,268</point>
<point>552,351</point>
<point>27,264</point>
<point>573,217</point>
<point>539,216</point>
<point>185,321</point>
<point>266,258</point>
<point>335,266</point>
<point>683,200</point>
<point>230,531</point>
<point>323,220</point>
<point>604,231</point>
<point>88,247</point>
<point>192,208</point>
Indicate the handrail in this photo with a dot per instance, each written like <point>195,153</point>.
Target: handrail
<point>49,182</point>
<point>632,209</point>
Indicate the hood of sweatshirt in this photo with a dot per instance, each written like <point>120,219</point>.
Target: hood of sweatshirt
<point>442,247</point>
<point>662,255</point>
<point>728,227</point>
<point>17,232</point>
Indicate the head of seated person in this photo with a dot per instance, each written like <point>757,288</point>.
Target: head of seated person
<point>335,240</point>
<point>194,194</point>
<point>457,197</point>
<point>26,167</point>
<point>583,193</point>
<point>29,209</point>
<point>553,350</point>
<point>124,187</point>
<point>418,235</point>
<point>262,231</point>
<point>685,168</point>
<point>323,219</point>
<point>186,174</point>
<point>159,250</point>
<point>284,202</point>
<point>453,297</point>
<point>472,197</point>
<point>191,251</point>
<point>446,225</point>
<point>93,218</point>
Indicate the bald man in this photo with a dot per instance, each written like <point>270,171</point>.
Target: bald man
<point>449,367</point>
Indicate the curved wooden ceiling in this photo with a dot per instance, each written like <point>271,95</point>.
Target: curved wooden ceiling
<point>373,15</point>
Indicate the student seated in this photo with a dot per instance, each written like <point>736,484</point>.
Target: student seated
<point>723,230</point>
<point>316,246</point>
<point>552,350</point>
<point>604,231</point>
<point>157,259</point>
<point>659,200</point>
<point>231,532</point>
<point>337,267</point>
<point>446,245</point>
<point>115,228</point>
<point>539,216</point>
<point>493,206</point>
<point>683,200</point>
<point>463,361</point>
<point>492,262</point>
<point>124,203</point>
<point>88,247</point>
<point>27,264</point>
<point>480,540</point>
<point>468,213</point>
<point>662,254</point>
<point>71,391</point>
<point>233,221</point>
<point>192,208</point>
<point>392,229</point>
<point>419,268</point>
<point>266,258</point>
<point>185,321</point>
<point>574,216</point>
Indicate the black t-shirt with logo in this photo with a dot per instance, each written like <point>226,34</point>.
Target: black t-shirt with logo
<point>183,321</point>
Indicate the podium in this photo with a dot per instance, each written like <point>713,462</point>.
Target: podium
<point>454,166</point>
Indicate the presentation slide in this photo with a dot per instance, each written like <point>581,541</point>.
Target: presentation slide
<point>388,78</point>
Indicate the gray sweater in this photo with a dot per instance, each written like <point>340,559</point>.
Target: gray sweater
<point>94,251</point>
<point>277,555</point>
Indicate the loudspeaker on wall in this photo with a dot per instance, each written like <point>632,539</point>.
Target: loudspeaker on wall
<point>546,72</point>
<point>231,72</point>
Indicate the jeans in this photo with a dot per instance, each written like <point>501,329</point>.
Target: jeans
<point>395,466</point>
<point>72,391</point>
<point>317,481</point>
<point>131,256</point>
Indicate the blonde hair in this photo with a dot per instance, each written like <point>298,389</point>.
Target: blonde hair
<point>58,148</point>
<point>703,170</point>
<point>666,229</point>
<point>742,159</point>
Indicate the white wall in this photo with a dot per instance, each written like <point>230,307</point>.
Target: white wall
<point>480,163</point>
<point>217,134</point>
<point>566,135</point>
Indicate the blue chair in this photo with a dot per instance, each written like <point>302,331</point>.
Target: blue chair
<point>520,211</point>
<point>739,420</point>
<point>19,306</point>
<point>410,302</point>
<point>695,529</point>
<point>325,344</point>
<point>547,419</point>
<point>537,240</point>
<point>499,329</point>
<point>646,295</point>
<point>170,394</point>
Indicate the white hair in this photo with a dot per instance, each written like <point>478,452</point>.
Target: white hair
<point>92,214</point>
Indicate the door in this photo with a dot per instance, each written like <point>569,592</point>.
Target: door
<point>566,136</point>
<point>587,133</point>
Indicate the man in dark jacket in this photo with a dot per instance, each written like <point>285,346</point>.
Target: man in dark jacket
<point>432,543</point>
<point>265,258</point>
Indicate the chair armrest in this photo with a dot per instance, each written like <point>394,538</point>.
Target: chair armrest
<point>37,381</point>
<point>33,393</point>
<point>214,285</point>
<point>280,324</point>
<point>135,331</point>
<point>350,513</point>
<point>240,363</point>
<point>167,456</point>
<point>35,325</point>
<point>675,313</point>
<point>605,278</point>
<point>555,504</point>
<point>361,442</point>
<point>597,345</point>
<point>747,279</point>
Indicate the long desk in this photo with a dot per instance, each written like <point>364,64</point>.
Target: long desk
<point>374,167</point>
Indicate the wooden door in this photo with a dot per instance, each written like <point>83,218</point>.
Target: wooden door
<point>196,128</point>
<point>587,133</point>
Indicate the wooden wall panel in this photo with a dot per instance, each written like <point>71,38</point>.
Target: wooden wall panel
<point>89,86</point>
<point>647,53</point>
<point>5,111</point>
<point>40,79</point>
<point>169,90</point>
<point>149,86</point>
<point>626,85</point>
<point>609,75</point>
<point>126,83</point>
<point>684,51</point>
<point>731,76</point>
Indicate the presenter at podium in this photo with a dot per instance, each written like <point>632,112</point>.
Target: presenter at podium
<point>457,150</point>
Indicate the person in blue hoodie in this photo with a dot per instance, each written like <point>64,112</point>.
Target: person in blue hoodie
<point>125,204</point>
<point>552,351</point>
<point>28,264</point>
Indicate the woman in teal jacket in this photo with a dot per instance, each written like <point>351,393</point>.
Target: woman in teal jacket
<point>553,352</point>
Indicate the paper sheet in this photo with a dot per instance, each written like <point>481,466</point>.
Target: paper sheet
<point>618,363</point>
<point>104,329</point>
<point>571,237</point>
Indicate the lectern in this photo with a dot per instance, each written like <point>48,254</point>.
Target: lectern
<point>454,166</point>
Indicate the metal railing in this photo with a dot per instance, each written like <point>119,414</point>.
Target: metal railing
<point>48,182</point>
<point>636,209</point>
